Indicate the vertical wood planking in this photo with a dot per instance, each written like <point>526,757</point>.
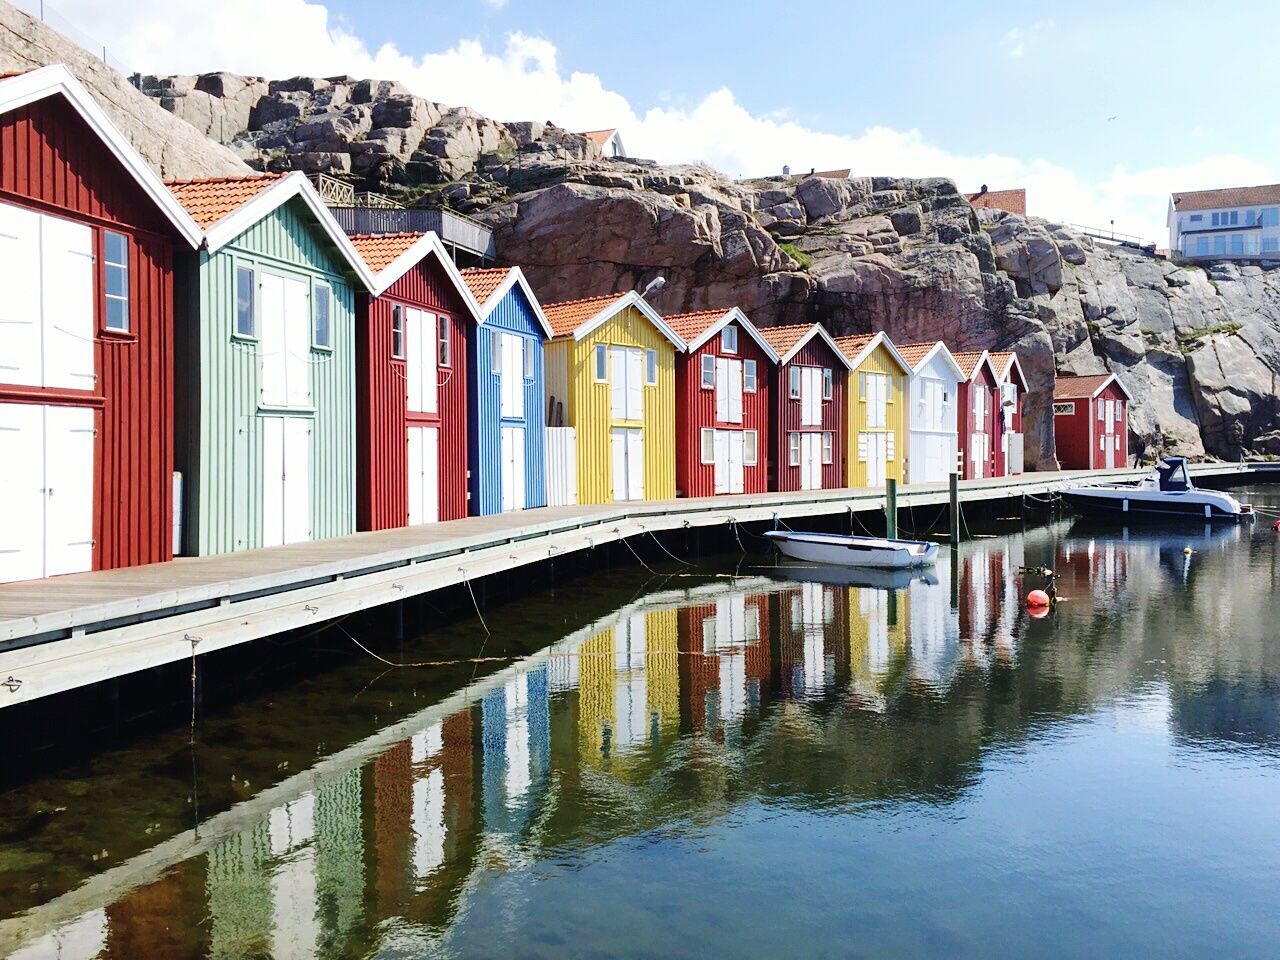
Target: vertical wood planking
<point>787,416</point>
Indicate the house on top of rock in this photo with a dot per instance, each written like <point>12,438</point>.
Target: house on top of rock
<point>1231,223</point>
<point>609,141</point>
<point>1010,201</point>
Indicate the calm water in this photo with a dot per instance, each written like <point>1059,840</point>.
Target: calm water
<point>711,765</point>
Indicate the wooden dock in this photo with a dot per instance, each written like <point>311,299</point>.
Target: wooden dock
<point>71,631</point>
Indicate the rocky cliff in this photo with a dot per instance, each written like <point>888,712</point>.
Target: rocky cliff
<point>1199,349</point>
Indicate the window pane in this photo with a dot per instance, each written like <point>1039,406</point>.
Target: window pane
<point>708,371</point>
<point>117,281</point>
<point>602,363</point>
<point>749,376</point>
<point>826,384</point>
<point>708,445</point>
<point>750,452</point>
<point>793,449</point>
<point>495,351</point>
<point>244,302</point>
<point>116,248</point>
<point>397,332</point>
<point>117,314</point>
<point>729,339</point>
<point>651,367</point>
<point>795,382</point>
<point>322,308</point>
<point>529,360</point>
<point>445,355</point>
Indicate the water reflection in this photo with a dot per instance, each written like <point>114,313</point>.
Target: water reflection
<point>823,687</point>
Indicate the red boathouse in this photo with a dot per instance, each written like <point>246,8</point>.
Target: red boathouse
<point>1012,384</point>
<point>88,234</point>
<point>809,417</point>
<point>1091,422</point>
<point>411,383</point>
<point>976,414</point>
<point>723,383</point>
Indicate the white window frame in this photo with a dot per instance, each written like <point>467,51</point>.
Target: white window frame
<point>729,339</point>
<point>793,448</point>
<point>244,269</point>
<point>444,341</point>
<point>793,384</point>
<point>1064,408</point>
<point>750,448</point>
<point>495,352</point>
<point>109,265</point>
<point>708,371</point>
<point>707,435</point>
<point>828,447</point>
<point>748,376</point>
<point>602,363</point>
<point>651,368</point>
<point>321,291</point>
<point>828,383</point>
<point>530,361</point>
<point>397,331</point>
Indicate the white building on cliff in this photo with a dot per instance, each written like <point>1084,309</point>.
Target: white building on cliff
<point>1231,223</point>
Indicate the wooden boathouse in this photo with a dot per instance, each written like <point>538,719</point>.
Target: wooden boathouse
<point>878,404</point>
<point>931,416</point>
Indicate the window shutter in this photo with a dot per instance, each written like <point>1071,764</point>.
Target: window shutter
<point>722,389</point>
<point>635,384</point>
<point>67,272</point>
<point>862,448</point>
<point>618,382</point>
<point>735,391</point>
<point>891,441</point>
<point>297,345</point>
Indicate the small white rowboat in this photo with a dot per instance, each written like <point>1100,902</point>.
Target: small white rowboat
<point>850,551</point>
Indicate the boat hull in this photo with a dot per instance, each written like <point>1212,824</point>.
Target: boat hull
<point>838,551</point>
<point>1138,504</point>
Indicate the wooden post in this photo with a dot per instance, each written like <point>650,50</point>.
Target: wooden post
<point>955,508</point>
<point>891,508</point>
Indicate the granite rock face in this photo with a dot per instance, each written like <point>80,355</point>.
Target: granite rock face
<point>1199,349</point>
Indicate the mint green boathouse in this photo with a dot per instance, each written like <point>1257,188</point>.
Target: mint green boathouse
<point>265,368</point>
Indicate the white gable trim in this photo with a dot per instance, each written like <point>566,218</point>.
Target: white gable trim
<point>985,358</point>
<point>817,330</point>
<point>944,350</point>
<point>425,246</point>
<point>1107,382</point>
<point>1013,364</point>
<point>631,299</point>
<point>291,185</point>
<point>733,315</point>
<point>47,81</point>
<point>876,341</point>
<point>515,277</point>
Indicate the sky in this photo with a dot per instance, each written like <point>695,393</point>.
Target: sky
<point>1098,109</point>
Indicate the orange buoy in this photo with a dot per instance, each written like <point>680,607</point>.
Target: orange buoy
<point>1037,599</point>
<point>1038,613</point>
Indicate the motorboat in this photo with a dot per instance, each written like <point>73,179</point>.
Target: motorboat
<point>1165,493</point>
<point>844,550</point>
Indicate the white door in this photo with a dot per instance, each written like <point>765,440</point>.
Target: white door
<point>810,396</point>
<point>978,449</point>
<point>811,461</point>
<point>627,456</point>
<point>46,488</point>
<point>511,376</point>
<point>422,379</point>
<point>1109,448</point>
<point>736,444</point>
<point>424,475</point>
<point>877,448</point>
<point>284,344</point>
<point>286,480</point>
<point>68,476</point>
<point>513,468</point>
<point>721,461</point>
<point>626,383</point>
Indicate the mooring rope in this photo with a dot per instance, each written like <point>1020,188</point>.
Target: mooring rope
<point>424,663</point>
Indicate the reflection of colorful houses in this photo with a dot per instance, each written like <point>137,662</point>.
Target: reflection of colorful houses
<point>878,635</point>
<point>88,237</point>
<point>611,377</point>
<point>935,627</point>
<point>628,685</point>
<point>813,638</point>
<point>878,403</point>
<point>724,659</point>
<point>1012,388</point>
<point>809,420</point>
<point>516,741</point>
<point>976,414</point>
<point>724,379</point>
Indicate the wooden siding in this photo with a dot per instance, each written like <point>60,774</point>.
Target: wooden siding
<point>1071,435</point>
<point>512,314</point>
<point>880,361</point>
<point>917,469</point>
<point>985,382</point>
<point>51,161</point>
<point>383,416</point>
<point>786,418</point>
<point>589,407</point>
<point>221,457</point>
<point>696,408</point>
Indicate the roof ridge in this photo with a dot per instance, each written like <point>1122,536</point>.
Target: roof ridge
<point>600,296</point>
<point>237,179</point>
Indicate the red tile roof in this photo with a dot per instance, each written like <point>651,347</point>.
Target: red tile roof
<point>1226,197</point>
<point>483,281</point>
<point>782,339</point>
<point>1011,201</point>
<point>913,353</point>
<point>689,326</point>
<point>567,316</point>
<point>968,362</point>
<point>1075,388</point>
<point>381,250</point>
<point>212,199</point>
<point>599,137</point>
<point>852,346</point>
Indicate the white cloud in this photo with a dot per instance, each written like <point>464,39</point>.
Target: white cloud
<point>526,81</point>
